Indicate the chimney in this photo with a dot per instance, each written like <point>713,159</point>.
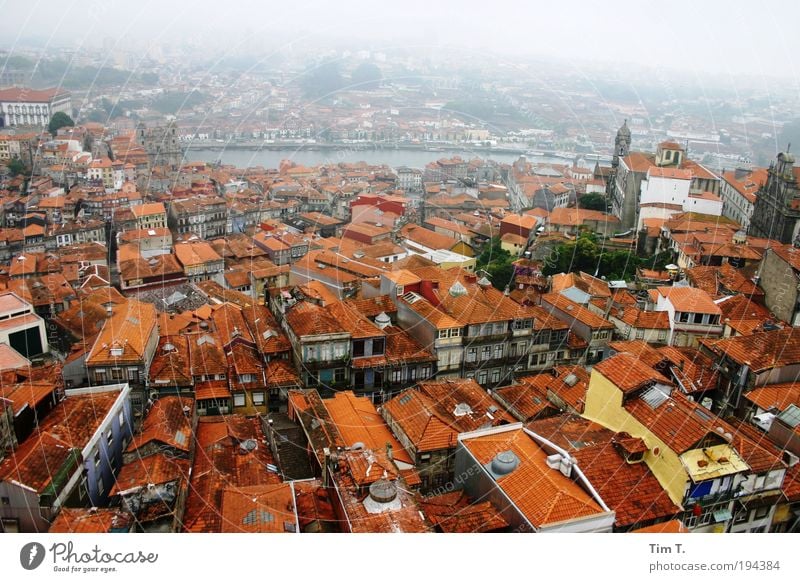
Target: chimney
<point>326,480</point>
<point>426,290</point>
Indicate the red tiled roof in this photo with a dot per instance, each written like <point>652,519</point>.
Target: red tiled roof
<point>417,416</point>
<point>629,373</point>
<point>569,308</point>
<point>154,469</point>
<point>359,422</point>
<point>306,318</point>
<point>169,422</point>
<point>220,463</point>
<point>525,400</point>
<point>64,431</point>
<point>555,381</point>
<point>92,520</point>
<point>760,351</point>
<point>630,489</point>
<point>266,508</point>
<point>543,495</point>
<point>211,389</point>
<point>775,396</point>
<point>689,300</point>
<point>454,513</point>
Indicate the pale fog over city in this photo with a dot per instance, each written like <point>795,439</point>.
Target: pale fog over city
<point>364,267</point>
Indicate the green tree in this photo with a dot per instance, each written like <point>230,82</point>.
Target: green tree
<point>619,265</point>
<point>593,202</point>
<point>59,120</point>
<point>323,80</point>
<point>582,254</point>
<point>367,76</point>
<point>16,167</point>
<point>498,263</point>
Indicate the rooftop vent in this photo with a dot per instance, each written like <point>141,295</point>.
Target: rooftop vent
<point>248,445</point>
<point>457,290</point>
<point>382,497</point>
<point>462,409</point>
<point>168,347</point>
<point>382,320</point>
<point>502,464</point>
<point>561,463</point>
<point>571,380</point>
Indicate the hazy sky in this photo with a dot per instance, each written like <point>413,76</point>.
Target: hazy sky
<point>729,37</point>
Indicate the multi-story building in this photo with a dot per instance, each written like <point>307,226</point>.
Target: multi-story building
<point>409,179</point>
<point>594,330</point>
<point>500,464</point>
<point>22,106</point>
<point>20,327</point>
<point>71,460</point>
<point>708,467</point>
<point>74,232</point>
<point>321,346</point>
<point>739,191</point>
<point>666,175</point>
<point>200,261</point>
<point>776,213</point>
<point>692,314</point>
<point>428,419</point>
<point>748,361</point>
<point>124,349</point>
<point>160,143</point>
<point>101,171</point>
<point>205,217</point>
<point>150,215</point>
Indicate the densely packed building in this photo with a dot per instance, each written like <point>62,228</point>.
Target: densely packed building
<point>205,348</point>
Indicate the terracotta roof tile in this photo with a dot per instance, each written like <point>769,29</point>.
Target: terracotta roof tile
<point>220,463</point>
<point>630,489</point>
<point>629,373</point>
<point>526,400</point>
<point>154,469</point>
<point>455,513</point>
<point>359,421</point>
<point>689,300</point>
<point>558,381</point>
<point>258,509</point>
<point>169,422</point>
<point>62,433</point>
<point>544,496</point>
<point>775,396</point>
<point>93,520</point>
<point>760,351</point>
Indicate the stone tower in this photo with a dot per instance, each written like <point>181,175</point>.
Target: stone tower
<point>776,214</point>
<point>161,144</point>
<point>622,144</point>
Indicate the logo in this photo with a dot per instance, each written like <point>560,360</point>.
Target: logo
<point>31,555</point>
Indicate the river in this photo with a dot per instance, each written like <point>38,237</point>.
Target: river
<point>245,158</point>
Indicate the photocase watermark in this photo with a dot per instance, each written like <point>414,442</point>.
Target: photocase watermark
<point>31,555</point>
<point>67,558</point>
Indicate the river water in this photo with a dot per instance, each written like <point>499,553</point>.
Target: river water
<point>242,158</point>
